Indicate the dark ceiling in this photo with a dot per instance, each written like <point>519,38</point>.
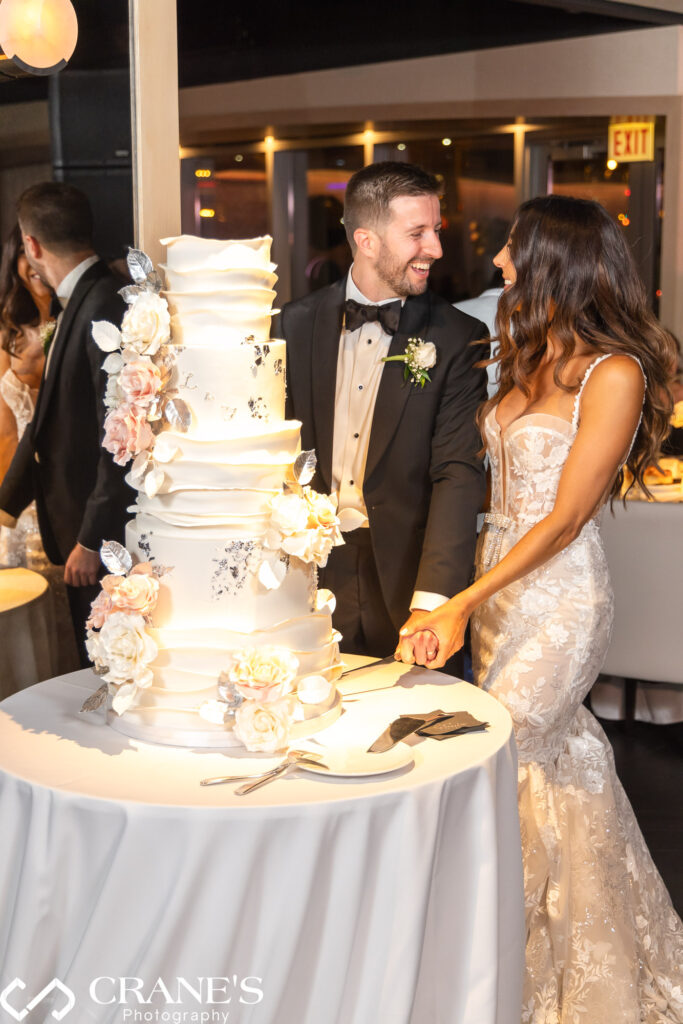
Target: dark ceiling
<point>220,40</point>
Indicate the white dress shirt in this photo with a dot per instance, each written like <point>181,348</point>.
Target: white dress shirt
<point>359,372</point>
<point>64,291</point>
<point>485,307</point>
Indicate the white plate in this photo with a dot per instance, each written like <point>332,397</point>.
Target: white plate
<point>349,761</point>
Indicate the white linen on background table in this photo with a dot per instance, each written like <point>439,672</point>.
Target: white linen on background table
<point>644,547</point>
<point>28,642</point>
<point>391,900</point>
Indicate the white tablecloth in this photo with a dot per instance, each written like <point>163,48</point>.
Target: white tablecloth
<point>382,900</point>
<point>28,642</point>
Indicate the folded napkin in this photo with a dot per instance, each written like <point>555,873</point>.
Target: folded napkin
<point>438,725</point>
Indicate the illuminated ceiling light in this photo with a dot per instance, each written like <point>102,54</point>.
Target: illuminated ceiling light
<point>401,146</point>
<point>38,35</point>
<point>446,142</point>
<point>239,158</point>
<point>269,142</point>
<point>202,172</point>
<point>612,165</point>
<point>206,211</point>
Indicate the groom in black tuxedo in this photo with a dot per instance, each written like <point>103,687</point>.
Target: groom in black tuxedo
<point>402,458</point>
<point>80,493</point>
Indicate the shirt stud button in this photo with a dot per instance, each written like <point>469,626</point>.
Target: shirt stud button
<point>360,387</point>
<point>356,435</point>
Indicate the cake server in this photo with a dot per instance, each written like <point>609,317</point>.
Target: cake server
<point>293,757</point>
<point>400,728</point>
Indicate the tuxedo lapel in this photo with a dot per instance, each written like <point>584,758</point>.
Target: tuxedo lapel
<point>65,325</point>
<point>393,392</point>
<point>325,336</point>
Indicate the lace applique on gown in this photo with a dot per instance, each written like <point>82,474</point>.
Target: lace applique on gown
<point>604,943</point>
<point>25,535</point>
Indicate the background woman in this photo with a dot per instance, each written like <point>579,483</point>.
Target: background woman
<point>24,313</point>
<point>584,374</point>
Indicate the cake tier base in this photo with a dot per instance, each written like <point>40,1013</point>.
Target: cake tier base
<point>213,738</point>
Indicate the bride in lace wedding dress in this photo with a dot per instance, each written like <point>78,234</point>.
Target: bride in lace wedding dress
<point>24,305</point>
<point>583,392</point>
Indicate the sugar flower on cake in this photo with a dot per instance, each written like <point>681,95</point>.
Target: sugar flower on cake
<point>264,674</point>
<point>147,324</point>
<point>314,689</point>
<point>118,641</point>
<point>126,433</point>
<point>124,649</point>
<point>264,727</point>
<point>302,525</point>
<point>137,592</point>
<point>140,367</point>
<point>140,381</point>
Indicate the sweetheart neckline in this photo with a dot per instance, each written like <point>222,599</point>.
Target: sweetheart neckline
<point>502,432</point>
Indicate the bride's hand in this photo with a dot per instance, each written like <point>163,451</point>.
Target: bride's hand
<point>419,647</point>
<point>446,625</point>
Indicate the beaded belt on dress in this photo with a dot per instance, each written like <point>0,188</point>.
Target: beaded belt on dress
<point>497,524</point>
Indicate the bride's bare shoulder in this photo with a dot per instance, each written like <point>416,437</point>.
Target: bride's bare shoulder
<point>619,370</point>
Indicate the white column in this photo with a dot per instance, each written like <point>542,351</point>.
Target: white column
<point>671,276</point>
<point>154,116</point>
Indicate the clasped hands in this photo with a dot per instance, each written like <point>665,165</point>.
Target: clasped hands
<point>431,638</point>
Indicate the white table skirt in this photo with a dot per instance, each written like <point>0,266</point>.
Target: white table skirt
<point>385,900</point>
<point>28,641</point>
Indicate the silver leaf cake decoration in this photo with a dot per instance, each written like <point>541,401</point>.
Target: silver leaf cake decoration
<point>130,292</point>
<point>139,265</point>
<point>178,414</point>
<point>115,558</point>
<point>96,699</point>
<point>304,467</point>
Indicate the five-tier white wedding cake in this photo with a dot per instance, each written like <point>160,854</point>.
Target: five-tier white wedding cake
<point>209,629</point>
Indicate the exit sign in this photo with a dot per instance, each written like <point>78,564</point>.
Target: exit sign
<point>631,141</point>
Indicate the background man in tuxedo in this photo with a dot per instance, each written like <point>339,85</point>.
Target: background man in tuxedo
<point>80,493</point>
<point>404,458</point>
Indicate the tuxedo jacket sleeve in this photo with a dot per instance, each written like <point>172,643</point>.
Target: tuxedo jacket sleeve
<point>456,472</point>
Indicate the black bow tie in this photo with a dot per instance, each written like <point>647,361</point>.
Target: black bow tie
<point>356,314</point>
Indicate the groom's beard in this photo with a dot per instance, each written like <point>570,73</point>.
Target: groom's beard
<point>396,274</point>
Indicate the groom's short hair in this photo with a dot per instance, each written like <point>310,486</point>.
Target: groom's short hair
<point>371,190</point>
<point>58,215</point>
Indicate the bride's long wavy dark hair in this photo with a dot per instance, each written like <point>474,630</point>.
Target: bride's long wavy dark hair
<point>575,275</point>
<point>17,307</point>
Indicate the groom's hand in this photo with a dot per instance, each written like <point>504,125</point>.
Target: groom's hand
<point>414,639</point>
<point>82,567</point>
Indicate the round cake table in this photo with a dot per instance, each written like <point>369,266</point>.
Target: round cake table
<point>131,893</point>
<point>27,631</point>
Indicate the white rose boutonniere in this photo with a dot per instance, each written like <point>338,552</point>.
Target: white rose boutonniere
<point>418,358</point>
<point>46,333</point>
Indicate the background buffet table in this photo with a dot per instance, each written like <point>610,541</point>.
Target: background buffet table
<point>394,898</point>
